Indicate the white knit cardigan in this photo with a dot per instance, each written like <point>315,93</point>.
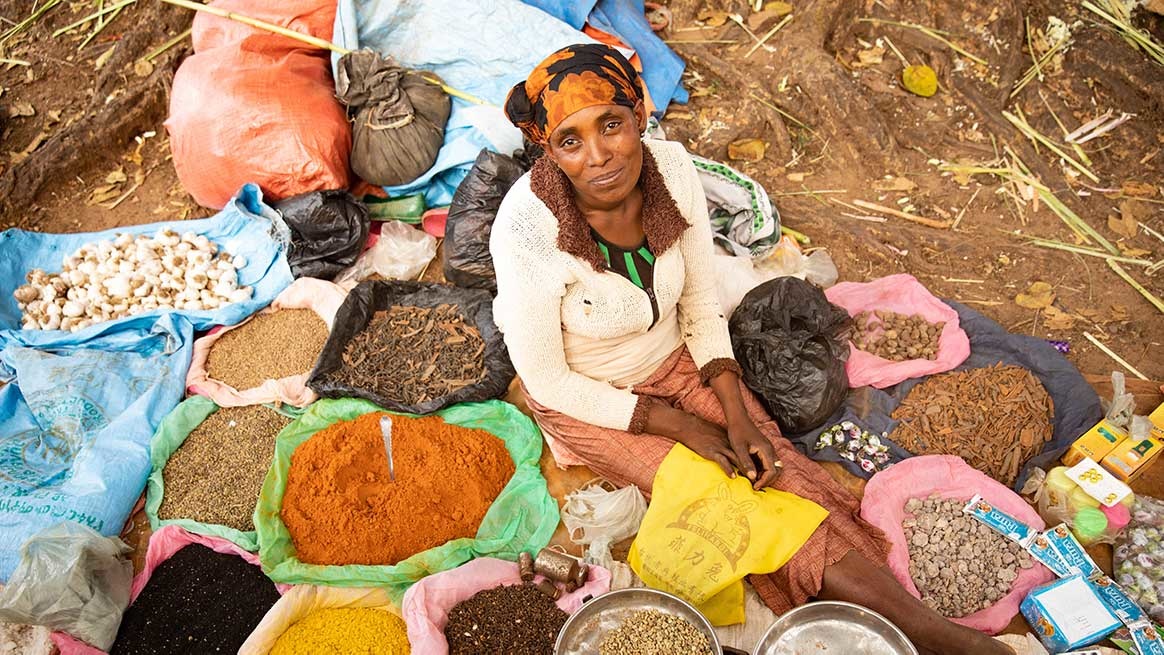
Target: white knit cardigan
<point>544,291</point>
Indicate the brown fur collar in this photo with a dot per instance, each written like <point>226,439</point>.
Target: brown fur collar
<point>662,222</point>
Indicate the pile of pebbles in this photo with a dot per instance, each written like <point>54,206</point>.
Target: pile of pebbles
<point>651,632</point>
<point>958,564</point>
<point>897,337</point>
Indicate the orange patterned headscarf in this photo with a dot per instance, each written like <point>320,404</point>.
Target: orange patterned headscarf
<point>571,79</point>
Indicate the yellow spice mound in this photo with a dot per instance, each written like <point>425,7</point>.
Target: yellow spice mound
<point>346,631</point>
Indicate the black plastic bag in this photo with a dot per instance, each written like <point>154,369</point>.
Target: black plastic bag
<point>792,344</point>
<point>466,258</point>
<point>328,231</point>
<point>370,297</point>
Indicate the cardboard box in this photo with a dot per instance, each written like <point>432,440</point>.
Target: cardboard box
<point>1157,419</point>
<point>1130,458</point>
<point>1068,614</point>
<point>1097,442</point>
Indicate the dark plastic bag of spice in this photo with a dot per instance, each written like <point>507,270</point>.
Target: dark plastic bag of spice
<point>399,117</point>
<point>467,261</point>
<point>328,231</point>
<point>370,298</point>
<point>792,344</point>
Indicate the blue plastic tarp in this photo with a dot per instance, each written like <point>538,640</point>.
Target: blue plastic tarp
<point>76,417</point>
<point>662,68</point>
<point>482,48</point>
<point>246,226</point>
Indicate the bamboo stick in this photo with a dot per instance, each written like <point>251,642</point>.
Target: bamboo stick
<point>1034,135</point>
<point>310,40</point>
<point>97,14</point>
<point>933,34</point>
<point>771,32</point>
<point>1119,360</point>
<point>1159,304</point>
<point>169,44</point>
<point>920,220</point>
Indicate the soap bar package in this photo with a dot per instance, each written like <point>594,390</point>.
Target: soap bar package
<point>1068,614</point>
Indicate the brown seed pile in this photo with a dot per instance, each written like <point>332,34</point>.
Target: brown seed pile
<point>995,418</point>
<point>268,347</point>
<point>514,619</point>
<point>651,632</point>
<point>958,564</point>
<point>897,337</point>
<point>216,474</point>
<point>414,354</point>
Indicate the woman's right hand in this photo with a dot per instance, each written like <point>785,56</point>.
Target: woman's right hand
<point>704,438</point>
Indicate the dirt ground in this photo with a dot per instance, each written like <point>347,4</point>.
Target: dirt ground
<point>82,145</point>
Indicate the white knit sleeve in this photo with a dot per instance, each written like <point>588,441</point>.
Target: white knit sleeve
<point>701,317</point>
<point>528,309</point>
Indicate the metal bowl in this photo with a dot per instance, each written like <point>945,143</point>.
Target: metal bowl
<point>584,630</point>
<point>834,627</point>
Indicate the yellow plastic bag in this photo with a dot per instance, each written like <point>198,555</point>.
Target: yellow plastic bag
<point>704,532</point>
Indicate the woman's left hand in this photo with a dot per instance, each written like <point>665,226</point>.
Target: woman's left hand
<point>747,441</point>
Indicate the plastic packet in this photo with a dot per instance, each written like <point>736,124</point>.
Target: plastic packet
<point>787,259</point>
<point>599,516</point>
<point>71,579</point>
<point>400,253</point>
<point>1138,561</point>
<point>1123,405</point>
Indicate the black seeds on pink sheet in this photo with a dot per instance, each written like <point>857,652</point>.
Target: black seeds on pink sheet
<point>198,602</point>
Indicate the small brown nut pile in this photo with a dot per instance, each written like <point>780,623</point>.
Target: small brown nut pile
<point>959,565</point>
<point>897,337</point>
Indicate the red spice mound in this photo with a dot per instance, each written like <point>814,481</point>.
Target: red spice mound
<point>341,508</point>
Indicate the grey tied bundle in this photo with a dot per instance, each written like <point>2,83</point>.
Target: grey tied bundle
<point>399,117</point>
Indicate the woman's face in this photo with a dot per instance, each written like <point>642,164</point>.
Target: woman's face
<point>600,150</point>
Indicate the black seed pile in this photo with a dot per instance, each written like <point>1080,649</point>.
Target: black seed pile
<point>198,602</point>
<point>515,620</point>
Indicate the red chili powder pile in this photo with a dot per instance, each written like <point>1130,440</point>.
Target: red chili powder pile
<point>341,508</point>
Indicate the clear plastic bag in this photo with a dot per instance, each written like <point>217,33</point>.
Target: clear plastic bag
<point>1139,557</point>
<point>400,253</point>
<point>71,579</point>
<point>1123,405</point>
<point>787,259</point>
<point>599,515</point>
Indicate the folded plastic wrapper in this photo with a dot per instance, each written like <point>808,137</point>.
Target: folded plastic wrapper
<point>599,517</point>
<point>400,252</point>
<point>71,579</point>
<point>426,605</point>
<point>163,544</point>
<point>323,298</point>
<point>302,600</point>
<point>950,477</point>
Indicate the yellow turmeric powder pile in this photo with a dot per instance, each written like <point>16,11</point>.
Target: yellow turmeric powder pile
<point>345,631</point>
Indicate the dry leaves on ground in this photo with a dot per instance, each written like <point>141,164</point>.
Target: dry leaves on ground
<point>751,150</point>
<point>1038,296</point>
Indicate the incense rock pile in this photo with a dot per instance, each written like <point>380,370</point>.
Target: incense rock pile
<point>995,418</point>
<point>958,564</point>
<point>216,475</point>
<point>650,632</point>
<point>345,630</point>
<point>516,620</point>
<point>270,346</point>
<point>897,337</point>
<point>414,354</point>
<point>130,275</point>
<point>197,602</point>
<point>341,508</point>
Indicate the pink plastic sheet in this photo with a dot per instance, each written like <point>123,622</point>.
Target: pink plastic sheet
<point>322,297</point>
<point>163,544</point>
<point>427,603</point>
<point>903,294</point>
<point>947,476</point>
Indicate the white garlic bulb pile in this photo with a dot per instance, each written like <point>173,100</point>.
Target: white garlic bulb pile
<point>127,276</point>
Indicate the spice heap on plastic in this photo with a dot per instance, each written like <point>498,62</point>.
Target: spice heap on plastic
<point>216,475</point>
<point>996,418</point>
<point>345,630</point>
<point>414,354</point>
<point>959,565</point>
<point>651,632</point>
<point>196,602</point>
<point>897,337</point>
<point>270,346</point>
<point>516,620</point>
<point>131,275</point>
<point>341,508</point>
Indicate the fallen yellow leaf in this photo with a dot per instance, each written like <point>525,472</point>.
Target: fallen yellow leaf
<point>712,18</point>
<point>1039,295</point>
<point>894,184</point>
<point>747,150</point>
<point>1141,189</point>
<point>1057,319</point>
<point>104,193</point>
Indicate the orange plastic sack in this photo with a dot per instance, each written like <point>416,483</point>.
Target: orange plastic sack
<point>313,17</point>
<point>257,113</point>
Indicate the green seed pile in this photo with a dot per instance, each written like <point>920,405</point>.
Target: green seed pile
<point>514,619</point>
<point>650,632</point>
<point>268,347</point>
<point>216,474</point>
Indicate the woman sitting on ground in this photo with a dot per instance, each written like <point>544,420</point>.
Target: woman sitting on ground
<point>607,299</point>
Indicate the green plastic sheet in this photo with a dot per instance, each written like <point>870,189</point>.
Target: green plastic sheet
<point>522,518</point>
<point>171,434</point>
